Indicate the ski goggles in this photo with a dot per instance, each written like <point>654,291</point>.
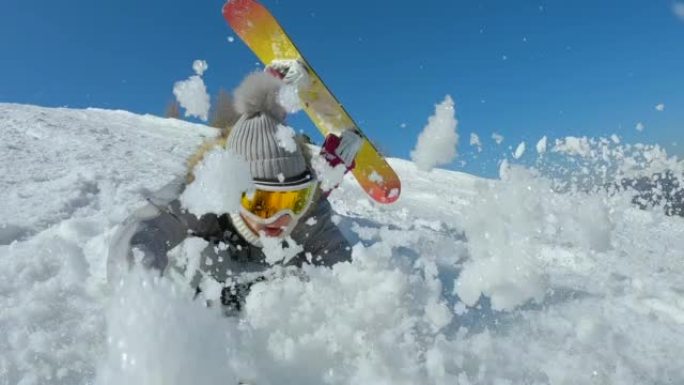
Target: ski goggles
<point>267,201</point>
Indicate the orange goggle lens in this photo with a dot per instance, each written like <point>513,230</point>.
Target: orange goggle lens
<point>265,204</point>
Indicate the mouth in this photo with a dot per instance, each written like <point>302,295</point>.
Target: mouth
<point>276,228</point>
<point>272,231</point>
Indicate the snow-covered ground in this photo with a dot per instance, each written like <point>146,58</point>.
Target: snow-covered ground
<point>462,281</point>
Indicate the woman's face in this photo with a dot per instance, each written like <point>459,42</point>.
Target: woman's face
<point>274,228</point>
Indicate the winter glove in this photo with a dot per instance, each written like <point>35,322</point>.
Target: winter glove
<point>291,71</point>
<point>342,149</point>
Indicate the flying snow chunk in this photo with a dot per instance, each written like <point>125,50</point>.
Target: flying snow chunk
<point>231,39</point>
<point>188,256</point>
<point>277,251</point>
<point>192,94</point>
<point>541,145</point>
<point>572,145</point>
<point>220,180</point>
<point>437,143</point>
<point>640,126</point>
<point>460,308</point>
<point>438,314</point>
<point>200,66</point>
<point>660,107</point>
<point>678,9</point>
<point>285,137</point>
<point>497,138</point>
<point>288,98</point>
<point>329,176</point>
<point>519,151</point>
<point>475,141</point>
<point>504,169</point>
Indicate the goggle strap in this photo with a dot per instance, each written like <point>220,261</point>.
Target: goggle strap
<point>287,183</point>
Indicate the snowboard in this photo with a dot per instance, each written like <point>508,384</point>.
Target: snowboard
<point>262,33</point>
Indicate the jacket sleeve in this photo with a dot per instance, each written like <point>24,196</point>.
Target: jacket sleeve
<point>148,234</point>
<point>320,237</point>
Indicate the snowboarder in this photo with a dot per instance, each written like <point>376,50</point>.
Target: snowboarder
<point>286,202</point>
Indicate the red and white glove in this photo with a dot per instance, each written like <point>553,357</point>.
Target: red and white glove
<point>342,149</point>
<point>291,71</point>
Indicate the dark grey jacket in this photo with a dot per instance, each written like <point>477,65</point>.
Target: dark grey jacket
<point>155,229</point>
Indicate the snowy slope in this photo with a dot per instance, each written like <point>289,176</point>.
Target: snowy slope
<point>463,281</point>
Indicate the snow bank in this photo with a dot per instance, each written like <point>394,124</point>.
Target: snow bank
<point>51,322</point>
<point>463,281</point>
<point>68,177</point>
<point>156,334</point>
<point>513,228</point>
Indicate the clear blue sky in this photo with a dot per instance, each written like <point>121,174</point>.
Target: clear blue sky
<point>521,68</point>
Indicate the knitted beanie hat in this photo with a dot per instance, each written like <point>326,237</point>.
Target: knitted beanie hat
<point>255,135</point>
